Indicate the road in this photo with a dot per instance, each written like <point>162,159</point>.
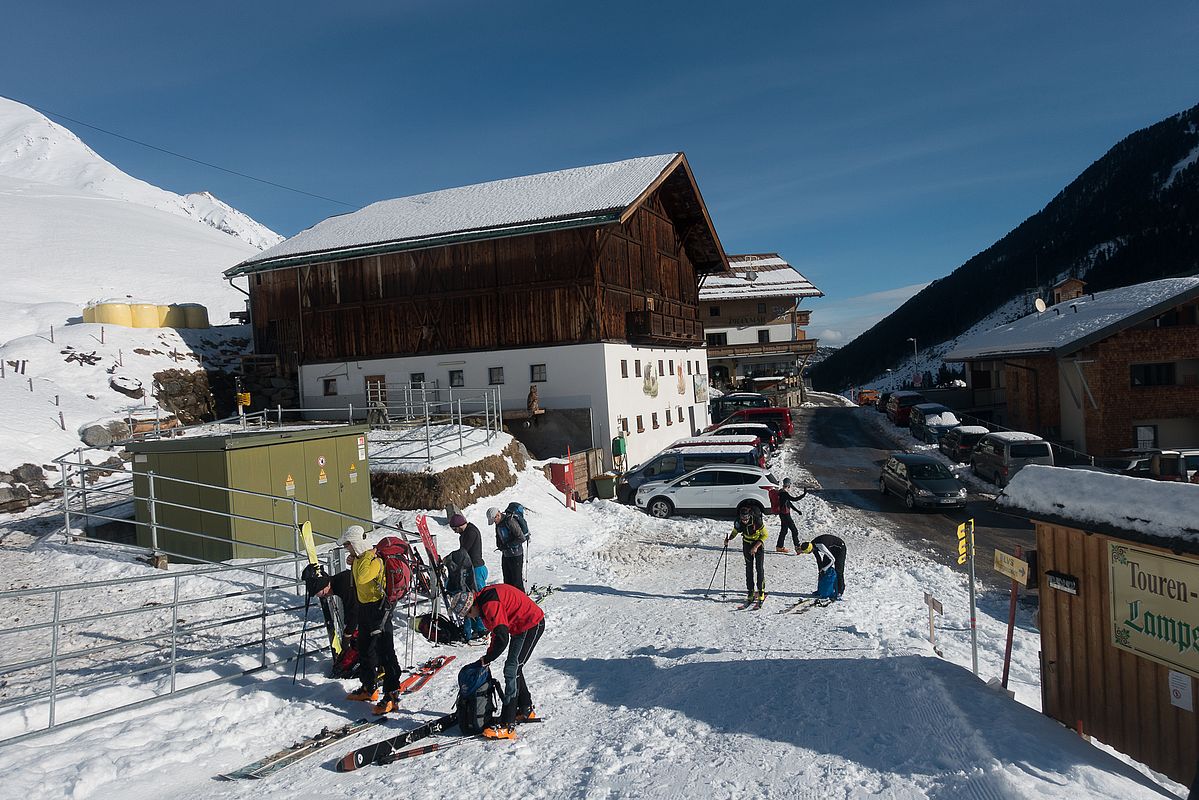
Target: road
<point>845,455</point>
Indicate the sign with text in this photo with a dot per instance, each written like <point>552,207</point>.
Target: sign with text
<point>1012,567</point>
<point>1155,605</point>
<point>963,546</point>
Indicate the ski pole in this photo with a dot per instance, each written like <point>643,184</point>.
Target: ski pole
<point>420,751</point>
<point>301,656</point>
<point>718,560</point>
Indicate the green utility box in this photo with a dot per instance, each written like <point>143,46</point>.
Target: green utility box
<point>249,481</point>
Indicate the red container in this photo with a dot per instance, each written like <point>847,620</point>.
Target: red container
<point>563,477</point>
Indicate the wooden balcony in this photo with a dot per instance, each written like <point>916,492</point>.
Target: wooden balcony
<point>652,327</point>
<point>799,348</point>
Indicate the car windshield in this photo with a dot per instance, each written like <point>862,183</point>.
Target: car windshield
<point>1030,450</point>
<point>929,471</point>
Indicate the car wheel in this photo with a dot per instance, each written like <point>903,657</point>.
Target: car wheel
<point>882,486</point>
<point>660,507</point>
<point>910,501</point>
<point>1000,481</point>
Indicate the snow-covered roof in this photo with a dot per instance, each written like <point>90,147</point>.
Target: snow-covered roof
<point>1015,436</point>
<point>1074,324</point>
<point>971,429</point>
<point>578,197</point>
<point>1153,511</point>
<point>773,277</point>
<point>738,449</point>
<point>700,441</point>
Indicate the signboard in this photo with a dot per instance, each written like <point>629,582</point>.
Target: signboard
<point>700,382</point>
<point>963,547</point>
<point>1012,567</point>
<point>353,473</point>
<point>322,477</point>
<point>361,448</point>
<point>289,486</point>
<point>1062,582</point>
<point>1180,691</point>
<point>1155,605</point>
<point>933,603</point>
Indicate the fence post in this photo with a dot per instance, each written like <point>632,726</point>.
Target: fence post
<point>174,632</point>
<point>54,656</point>
<point>66,499</point>
<point>280,412</point>
<point>295,532</point>
<point>428,444</point>
<point>153,515</point>
<point>262,644</point>
<point>461,422</point>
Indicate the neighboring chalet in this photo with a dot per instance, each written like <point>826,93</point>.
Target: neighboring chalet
<point>583,282</point>
<point>752,319</point>
<point>1100,372</point>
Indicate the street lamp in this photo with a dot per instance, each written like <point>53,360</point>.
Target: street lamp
<point>913,341</point>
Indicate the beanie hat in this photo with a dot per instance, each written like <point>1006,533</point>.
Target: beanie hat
<point>786,482</point>
<point>460,602</point>
<point>457,521</point>
<point>315,583</point>
<point>492,513</point>
<point>354,540</point>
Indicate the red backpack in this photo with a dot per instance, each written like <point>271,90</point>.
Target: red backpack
<point>397,556</point>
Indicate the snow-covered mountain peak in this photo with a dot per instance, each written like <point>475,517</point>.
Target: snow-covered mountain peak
<point>34,148</point>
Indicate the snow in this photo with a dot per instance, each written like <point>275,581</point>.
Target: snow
<point>404,450</point>
<point>1071,324</point>
<point>564,194</point>
<point>1157,508</point>
<point>647,687</point>
<point>945,418</point>
<point>775,278</point>
<point>1186,161</point>
<point>1016,436</point>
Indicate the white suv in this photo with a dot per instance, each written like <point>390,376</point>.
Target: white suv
<point>720,488</point>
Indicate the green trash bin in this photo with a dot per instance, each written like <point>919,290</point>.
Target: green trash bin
<point>605,486</point>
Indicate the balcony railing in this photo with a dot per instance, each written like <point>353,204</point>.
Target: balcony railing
<point>653,326</point>
<point>801,347</point>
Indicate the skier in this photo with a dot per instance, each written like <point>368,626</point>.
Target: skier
<point>460,577</point>
<point>786,506</point>
<point>516,624</point>
<point>471,540</point>
<point>340,586</point>
<point>829,552</point>
<point>752,529</point>
<point>376,635</point>
<point>510,538</point>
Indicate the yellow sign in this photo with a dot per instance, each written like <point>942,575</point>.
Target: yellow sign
<point>322,478</point>
<point>963,549</point>
<point>243,398</point>
<point>353,473</point>
<point>1155,605</point>
<point>289,486</point>
<point>1011,566</point>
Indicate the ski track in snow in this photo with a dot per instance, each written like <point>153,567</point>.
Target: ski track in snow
<point>648,687</point>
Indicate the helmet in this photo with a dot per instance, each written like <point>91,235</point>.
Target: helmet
<point>457,521</point>
<point>460,602</point>
<point>786,482</point>
<point>492,513</point>
<point>354,540</point>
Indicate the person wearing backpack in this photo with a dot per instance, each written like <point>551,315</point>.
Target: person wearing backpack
<point>516,624</point>
<point>471,540</point>
<point>460,577</point>
<point>511,533</point>
<point>376,638</point>
<point>751,527</point>
<point>786,506</point>
<point>829,552</point>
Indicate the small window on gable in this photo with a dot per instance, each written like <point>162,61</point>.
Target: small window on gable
<point>713,311</point>
<point>764,336</point>
<point>495,375</point>
<point>537,373</point>
<point>330,386</point>
<point>761,308</point>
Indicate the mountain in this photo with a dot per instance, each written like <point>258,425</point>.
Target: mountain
<point>1130,217</point>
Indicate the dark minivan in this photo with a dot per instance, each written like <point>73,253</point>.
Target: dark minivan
<point>899,406</point>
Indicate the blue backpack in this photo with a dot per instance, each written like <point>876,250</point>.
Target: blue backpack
<point>826,586</point>
<point>518,513</point>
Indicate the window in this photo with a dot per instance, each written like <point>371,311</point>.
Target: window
<point>661,364</point>
<point>680,411</point>
<point>457,378</point>
<point>1153,374</point>
<point>761,308</point>
<point>654,418</point>
<point>622,424</point>
<point>672,366</point>
<point>330,385</point>
<point>764,336</point>
<point>1145,436</point>
<point>718,339</point>
<point>688,367</point>
<point>713,311</point>
<point>537,373</point>
<point>624,368</point>
<point>495,375</point>
<point>669,420</point>
<point>417,379</point>
<point>640,424</point>
<point>637,368</point>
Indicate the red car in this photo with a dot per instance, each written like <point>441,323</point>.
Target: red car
<point>781,417</point>
<point>899,406</point>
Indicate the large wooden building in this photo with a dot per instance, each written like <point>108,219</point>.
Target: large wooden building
<point>583,282</point>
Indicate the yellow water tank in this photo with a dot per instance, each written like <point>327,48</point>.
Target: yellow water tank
<point>111,312</point>
<point>172,316</point>
<point>197,315</point>
<point>89,313</point>
<point>145,315</point>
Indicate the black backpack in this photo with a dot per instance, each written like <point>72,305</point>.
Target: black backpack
<point>478,694</point>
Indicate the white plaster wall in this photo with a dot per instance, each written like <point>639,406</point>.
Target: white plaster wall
<point>1073,415</point>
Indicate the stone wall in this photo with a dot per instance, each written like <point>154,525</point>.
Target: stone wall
<point>456,485</point>
<point>186,394</point>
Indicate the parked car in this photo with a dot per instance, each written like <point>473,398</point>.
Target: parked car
<point>710,441</point>
<point>922,481</point>
<point>776,414</point>
<point>714,489</point>
<point>767,433</point>
<point>881,404</point>
<point>1136,464</point>
<point>999,456</point>
<point>670,464</point>
<point>957,443</point>
<point>721,407</point>
<point>899,405</point>
<point>927,421</point>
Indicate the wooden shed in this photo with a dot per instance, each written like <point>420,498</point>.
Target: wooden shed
<point>1119,612</point>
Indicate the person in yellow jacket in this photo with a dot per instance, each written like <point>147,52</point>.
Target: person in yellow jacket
<point>376,637</point>
<point>751,527</point>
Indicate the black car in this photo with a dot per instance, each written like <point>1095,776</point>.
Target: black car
<point>957,443</point>
<point>922,481</point>
<point>881,404</point>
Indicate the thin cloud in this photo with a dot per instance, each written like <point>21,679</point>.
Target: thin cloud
<point>842,321</point>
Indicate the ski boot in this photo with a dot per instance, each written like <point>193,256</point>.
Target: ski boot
<point>499,732</point>
<point>527,715</point>
<point>365,694</point>
<point>390,703</point>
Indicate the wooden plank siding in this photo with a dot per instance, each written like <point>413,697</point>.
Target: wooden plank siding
<point>1086,682</point>
<point>560,287</point>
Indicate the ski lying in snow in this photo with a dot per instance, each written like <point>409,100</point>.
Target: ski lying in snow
<point>264,767</point>
<point>424,673</point>
<point>539,593</point>
<point>433,748</point>
<point>795,606</point>
<point>375,753</point>
<point>820,603</point>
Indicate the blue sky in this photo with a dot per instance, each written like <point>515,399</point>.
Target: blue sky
<point>876,146</point>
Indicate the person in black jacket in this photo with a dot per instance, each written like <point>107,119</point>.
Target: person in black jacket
<point>510,538</point>
<point>470,540</point>
<point>829,551</point>
<point>340,586</point>
<point>786,506</point>
<point>460,577</point>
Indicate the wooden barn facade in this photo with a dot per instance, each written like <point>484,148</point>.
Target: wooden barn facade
<point>565,274</point>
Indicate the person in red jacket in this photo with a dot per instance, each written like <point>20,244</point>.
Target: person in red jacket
<point>516,624</point>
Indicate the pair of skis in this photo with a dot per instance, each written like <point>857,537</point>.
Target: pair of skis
<point>539,593</point>
<point>806,604</point>
<point>392,749</point>
<point>752,605</point>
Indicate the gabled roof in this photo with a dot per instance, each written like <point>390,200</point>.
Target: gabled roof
<point>1074,324</point>
<point>772,277</point>
<point>570,198</point>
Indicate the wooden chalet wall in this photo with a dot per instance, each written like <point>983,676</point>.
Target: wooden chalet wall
<point>527,291</point>
<point>1115,696</point>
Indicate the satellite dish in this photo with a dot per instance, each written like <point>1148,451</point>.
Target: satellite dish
<point>751,276</point>
<point>1039,305</point>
